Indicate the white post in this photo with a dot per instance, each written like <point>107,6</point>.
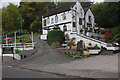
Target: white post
<point>15,38</point>
<point>6,40</point>
<point>32,38</point>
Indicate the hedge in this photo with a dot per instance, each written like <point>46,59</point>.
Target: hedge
<point>55,36</point>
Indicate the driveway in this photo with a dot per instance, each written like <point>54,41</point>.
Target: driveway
<point>51,60</point>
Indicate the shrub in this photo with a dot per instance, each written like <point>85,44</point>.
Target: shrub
<point>81,40</point>
<point>98,37</point>
<point>81,30</point>
<point>89,44</point>
<point>96,47</point>
<point>73,38</point>
<point>55,44</point>
<point>55,36</point>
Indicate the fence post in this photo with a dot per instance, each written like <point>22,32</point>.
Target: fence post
<point>32,39</point>
<point>6,39</point>
<point>15,38</point>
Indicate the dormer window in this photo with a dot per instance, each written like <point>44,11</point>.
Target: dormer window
<point>56,19</point>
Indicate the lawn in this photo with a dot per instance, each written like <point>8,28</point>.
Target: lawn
<point>36,34</point>
<point>18,51</point>
<point>26,36</point>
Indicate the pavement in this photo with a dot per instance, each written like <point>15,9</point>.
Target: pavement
<point>12,72</point>
<point>50,60</point>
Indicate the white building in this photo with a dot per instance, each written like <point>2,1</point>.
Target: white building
<point>71,18</point>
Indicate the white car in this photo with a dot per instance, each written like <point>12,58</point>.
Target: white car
<point>113,46</point>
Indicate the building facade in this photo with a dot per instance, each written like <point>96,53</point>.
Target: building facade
<point>71,18</point>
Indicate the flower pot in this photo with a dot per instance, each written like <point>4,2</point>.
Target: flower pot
<point>94,51</point>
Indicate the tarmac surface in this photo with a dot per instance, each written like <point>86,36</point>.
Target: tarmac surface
<point>50,60</point>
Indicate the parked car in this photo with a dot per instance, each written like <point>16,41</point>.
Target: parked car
<point>113,46</point>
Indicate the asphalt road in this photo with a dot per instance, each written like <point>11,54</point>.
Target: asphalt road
<point>46,55</point>
<point>12,72</point>
<point>51,60</point>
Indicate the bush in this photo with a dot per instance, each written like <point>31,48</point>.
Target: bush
<point>55,36</point>
<point>55,44</point>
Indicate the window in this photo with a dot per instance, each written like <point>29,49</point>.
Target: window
<point>45,22</point>
<point>80,21</point>
<point>90,19</point>
<point>64,16</point>
<point>74,24</point>
<point>48,21</point>
<point>56,19</point>
<point>76,8</point>
<point>52,21</point>
<point>64,28</point>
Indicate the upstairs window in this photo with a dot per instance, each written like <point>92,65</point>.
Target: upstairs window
<point>56,19</point>
<point>52,21</point>
<point>48,21</point>
<point>64,16</point>
<point>45,22</point>
<point>80,21</point>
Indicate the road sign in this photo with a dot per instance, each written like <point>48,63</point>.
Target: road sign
<point>22,39</point>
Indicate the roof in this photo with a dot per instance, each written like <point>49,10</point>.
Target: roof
<point>59,9</point>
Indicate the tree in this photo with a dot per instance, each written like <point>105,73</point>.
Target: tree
<point>10,18</point>
<point>36,25</point>
<point>30,11</point>
<point>107,14</point>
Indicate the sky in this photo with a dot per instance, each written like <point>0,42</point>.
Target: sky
<point>4,3</point>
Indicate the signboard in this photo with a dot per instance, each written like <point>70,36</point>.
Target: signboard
<point>67,39</point>
<point>22,39</point>
<point>80,45</point>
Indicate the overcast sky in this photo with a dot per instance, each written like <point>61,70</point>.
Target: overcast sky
<point>4,3</point>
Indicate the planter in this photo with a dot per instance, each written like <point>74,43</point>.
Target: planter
<point>94,51</point>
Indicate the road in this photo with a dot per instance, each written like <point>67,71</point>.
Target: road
<point>12,72</point>
<point>50,60</point>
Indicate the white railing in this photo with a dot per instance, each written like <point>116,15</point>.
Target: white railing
<point>18,45</point>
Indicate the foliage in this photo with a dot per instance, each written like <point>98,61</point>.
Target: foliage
<point>95,47</point>
<point>98,37</point>
<point>107,14</point>
<point>30,12</point>
<point>71,43</point>
<point>73,54</point>
<point>55,36</point>
<point>36,25</point>
<point>36,34</point>
<point>11,18</point>
<point>73,38</point>
<point>81,40</point>
<point>81,30</point>
<point>89,44</point>
<point>18,51</point>
<point>55,44</point>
